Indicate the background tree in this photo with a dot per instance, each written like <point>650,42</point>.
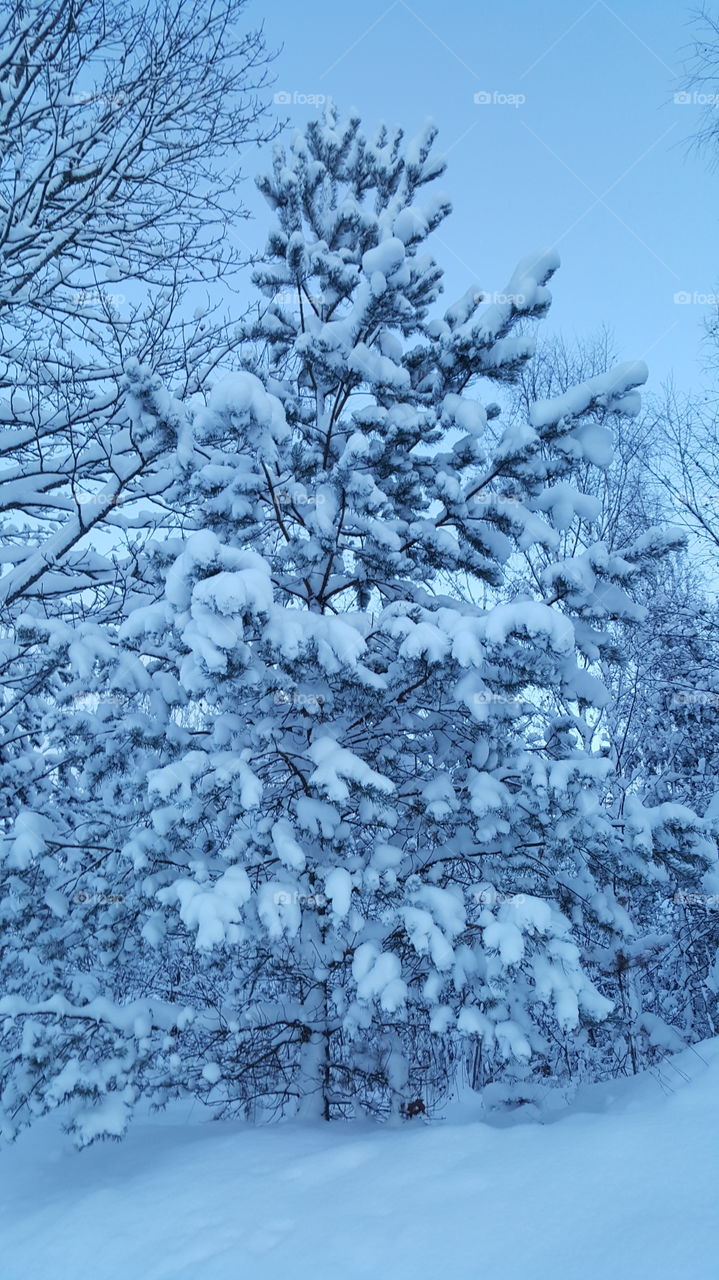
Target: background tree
<point>659,724</point>
<point>118,193</point>
<point>121,126</point>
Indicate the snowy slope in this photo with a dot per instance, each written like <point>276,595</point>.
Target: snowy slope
<point>623,1185</point>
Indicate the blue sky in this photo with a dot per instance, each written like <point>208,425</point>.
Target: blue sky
<point>596,160</point>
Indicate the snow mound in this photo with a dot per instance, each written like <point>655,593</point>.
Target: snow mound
<point>621,1184</point>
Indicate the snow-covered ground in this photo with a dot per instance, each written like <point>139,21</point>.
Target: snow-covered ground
<point>621,1186</point>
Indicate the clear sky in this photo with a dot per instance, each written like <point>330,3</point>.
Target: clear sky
<point>595,160</point>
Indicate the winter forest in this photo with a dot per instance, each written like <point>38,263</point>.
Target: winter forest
<point>359,646</point>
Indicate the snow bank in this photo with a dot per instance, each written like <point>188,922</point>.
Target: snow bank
<point>623,1184</point>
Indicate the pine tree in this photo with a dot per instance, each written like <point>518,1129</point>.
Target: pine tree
<point>352,831</point>
<point>660,717</point>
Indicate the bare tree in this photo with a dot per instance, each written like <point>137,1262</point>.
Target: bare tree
<point>120,129</point>
<point>702,78</point>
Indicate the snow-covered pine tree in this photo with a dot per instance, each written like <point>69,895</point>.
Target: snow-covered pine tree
<point>353,834</point>
<point>660,719</point>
